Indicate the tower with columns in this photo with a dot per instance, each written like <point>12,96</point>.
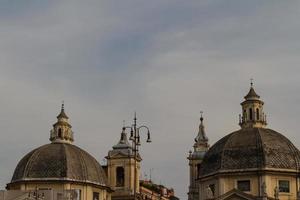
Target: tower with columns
<point>251,163</point>
<point>120,168</point>
<point>253,115</point>
<point>195,159</point>
<point>62,129</point>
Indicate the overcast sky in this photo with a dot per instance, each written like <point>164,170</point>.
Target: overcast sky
<point>164,59</point>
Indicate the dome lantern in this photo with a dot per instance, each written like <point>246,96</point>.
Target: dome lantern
<point>62,130</point>
<point>252,111</point>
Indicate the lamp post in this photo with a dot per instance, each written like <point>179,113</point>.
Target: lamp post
<point>136,142</point>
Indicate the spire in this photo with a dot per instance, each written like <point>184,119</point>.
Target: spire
<point>252,94</point>
<point>201,141</point>
<point>123,143</point>
<point>62,113</point>
<point>62,131</point>
<point>252,110</point>
<point>201,137</point>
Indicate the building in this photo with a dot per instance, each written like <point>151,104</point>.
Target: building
<point>254,162</point>
<point>62,171</point>
<point>152,191</point>
<point>121,166</point>
<point>59,170</point>
<point>195,159</point>
<point>123,169</point>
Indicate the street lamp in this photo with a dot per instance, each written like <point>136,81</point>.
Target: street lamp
<point>136,142</point>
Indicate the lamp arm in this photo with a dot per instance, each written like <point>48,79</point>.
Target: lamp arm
<point>145,127</point>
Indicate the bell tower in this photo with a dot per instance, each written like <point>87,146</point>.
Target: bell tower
<point>62,130</point>
<point>252,115</point>
<point>121,166</point>
<point>195,159</point>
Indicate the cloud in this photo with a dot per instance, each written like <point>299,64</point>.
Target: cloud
<point>165,59</point>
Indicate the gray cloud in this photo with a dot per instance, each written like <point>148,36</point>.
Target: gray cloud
<point>165,59</point>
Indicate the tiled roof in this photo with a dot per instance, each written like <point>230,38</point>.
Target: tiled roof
<point>251,148</point>
<point>60,161</point>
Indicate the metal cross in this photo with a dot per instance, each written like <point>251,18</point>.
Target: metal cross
<point>251,82</point>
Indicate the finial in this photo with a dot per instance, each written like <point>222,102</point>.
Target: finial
<point>251,82</point>
<point>134,119</point>
<point>201,118</point>
<point>123,128</point>
<point>63,105</point>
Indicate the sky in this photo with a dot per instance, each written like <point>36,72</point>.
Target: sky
<point>165,59</point>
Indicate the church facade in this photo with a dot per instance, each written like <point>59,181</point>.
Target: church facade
<point>62,171</point>
<point>254,162</point>
<point>123,170</point>
<point>59,170</point>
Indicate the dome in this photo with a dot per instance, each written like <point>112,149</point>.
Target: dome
<point>251,149</point>
<point>59,161</point>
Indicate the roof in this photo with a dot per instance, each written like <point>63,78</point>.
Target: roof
<point>59,161</point>
<point>252,94</point>
<point>62,114</point>
<point>123,143</point>
<point>123,148</point>
<point>159,189</point>
<point>251,149</point>
<point>237,194</point>
<point>201,143</point>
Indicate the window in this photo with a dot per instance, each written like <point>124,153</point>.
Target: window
<point>75,194</point>
<point>250,114</point>
<point>284,186</point>
<point>120,177</point>
<point>59,133</point>
<point>243,185</point>
<point>257,113</point>
<point>212,188</point>
<point>95,196</point>
<point>198,170</point>
<point>59,196</point>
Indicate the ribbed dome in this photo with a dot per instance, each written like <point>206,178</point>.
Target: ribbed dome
<point>59,161</point>
<point>251,149</point>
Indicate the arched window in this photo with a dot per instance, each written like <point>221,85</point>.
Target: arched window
<point>257,113</point>
<point>250,114</point>
<point>59,133</point>
<point>198,170</point>
<point>120,177</point>
<point>245,115</point>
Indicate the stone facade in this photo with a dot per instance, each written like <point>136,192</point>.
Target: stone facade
<point>195,160</point>
<point>121,165</point>
<point>252,163</point>
<point>123,169</point>
<point>60,169</point>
